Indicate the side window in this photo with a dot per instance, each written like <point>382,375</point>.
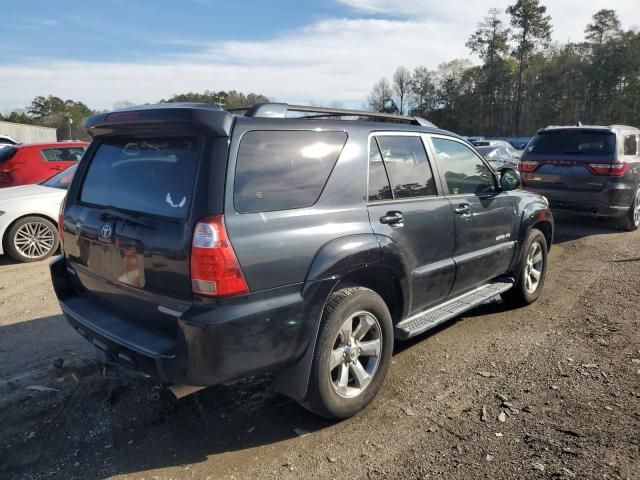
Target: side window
<point>379,188</point>
<point>281,170</point>
<point>630,145</point>
<point>66,154</point>
<point>464,172</point>
<point>407,165</point>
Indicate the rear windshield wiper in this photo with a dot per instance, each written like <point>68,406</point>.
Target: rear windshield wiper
<point>110,213</point>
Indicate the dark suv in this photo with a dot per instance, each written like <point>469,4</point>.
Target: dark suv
<point>587,169</point>
<point>201,245</point>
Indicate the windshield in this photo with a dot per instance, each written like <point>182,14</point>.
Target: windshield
<point>568,142</point>
<point>146,175</point>
<point>487,151</point>
<point>61,180</point>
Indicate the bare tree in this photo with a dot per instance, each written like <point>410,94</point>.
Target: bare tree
<point>381,98</point>
<point>402,87</point>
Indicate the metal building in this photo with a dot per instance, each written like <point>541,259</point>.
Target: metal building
<point>28,133</point>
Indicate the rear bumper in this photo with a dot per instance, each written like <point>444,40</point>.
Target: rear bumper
<point>613,202</point>
<point>214,341</point>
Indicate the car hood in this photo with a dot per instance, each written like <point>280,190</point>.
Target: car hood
<point>23,193</point>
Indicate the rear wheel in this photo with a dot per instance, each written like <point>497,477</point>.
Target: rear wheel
<point>631,221</point>
<point>31,239</point>
<point>352,355</point>
<point>531,272</point>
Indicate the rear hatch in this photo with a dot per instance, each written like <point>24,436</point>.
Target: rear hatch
<point>129,222</point>
<point>569,159</point>
<point>7,164</point>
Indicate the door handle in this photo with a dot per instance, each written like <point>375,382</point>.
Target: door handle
<point>463,209</point>
<point>392,218</point>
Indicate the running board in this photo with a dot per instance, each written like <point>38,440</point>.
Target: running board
<point>433,317</point>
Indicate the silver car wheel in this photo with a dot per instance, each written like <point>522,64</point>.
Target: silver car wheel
<point>356,354</point>
<point>533,267</point>
<point>34,240</point>
<point>636,210</point>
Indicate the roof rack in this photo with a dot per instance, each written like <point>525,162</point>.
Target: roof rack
<point>280,110</point>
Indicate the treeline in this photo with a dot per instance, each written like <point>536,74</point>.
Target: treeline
<point>68,116</point>
<point>524,81</point>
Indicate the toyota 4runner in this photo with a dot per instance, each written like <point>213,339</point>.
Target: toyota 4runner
<point>202,245</point>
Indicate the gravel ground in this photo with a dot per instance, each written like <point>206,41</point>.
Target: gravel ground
<point>547,391</point>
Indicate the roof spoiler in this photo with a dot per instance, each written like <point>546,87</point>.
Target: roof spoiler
<point>280,110</point>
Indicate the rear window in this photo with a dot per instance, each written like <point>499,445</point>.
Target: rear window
<point>62,179</point>
<point>281,170</point>
<point>573,143</point>
<point>7,153</point>
<point>63,154</point>
<point>151,175</point>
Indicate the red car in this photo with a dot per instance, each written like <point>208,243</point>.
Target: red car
<point>32,163</point>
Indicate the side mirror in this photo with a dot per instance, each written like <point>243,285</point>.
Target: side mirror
<point>509,179</point>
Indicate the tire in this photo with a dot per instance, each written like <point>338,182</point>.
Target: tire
<point>328,394</point>
<point>31,239</point>
<point>534,259</point>
<point>631,220</point>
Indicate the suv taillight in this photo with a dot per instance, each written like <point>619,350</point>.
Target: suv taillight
<point>60,220</point>
<point>612,169</point>
<point>527,166</point>
<point>215,270</point>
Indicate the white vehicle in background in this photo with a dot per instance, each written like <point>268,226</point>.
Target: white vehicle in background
<point>7,140</point>
<point>28,217</point>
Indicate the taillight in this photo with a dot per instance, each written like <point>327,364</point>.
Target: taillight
<point>527,166</point>
<point>215,270</point>
<point>60,220</point>
<point>611,169</point>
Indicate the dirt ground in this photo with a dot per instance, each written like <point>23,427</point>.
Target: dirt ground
<point>547,391</point>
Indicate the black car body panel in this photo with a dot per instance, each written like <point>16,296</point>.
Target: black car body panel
<point>130,292</point>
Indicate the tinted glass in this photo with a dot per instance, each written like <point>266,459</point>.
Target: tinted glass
<point>281,170</point>
<point>7,153</point>
<point>630,145</point>
<point>488,152</point>
<point>407,165</point>
<point>65,154</point>
<point>379,188</point>
<point>582,142</point>
<point>152,175</point>
<point>62,179</point>
<point>464,172</point>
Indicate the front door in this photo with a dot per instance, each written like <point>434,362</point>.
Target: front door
<point>484,216</point>
<point>405,205</point>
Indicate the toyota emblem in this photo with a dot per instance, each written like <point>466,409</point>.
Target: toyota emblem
<point>106,231</point>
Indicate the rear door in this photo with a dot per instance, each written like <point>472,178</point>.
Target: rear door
<point>565,159</point>
<point>484,217</point>
<point>406,205</point>
<point>130,225</point>
<point>60,158</point>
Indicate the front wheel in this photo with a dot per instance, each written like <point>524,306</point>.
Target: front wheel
<point>532,271</point>
<point>31,239</point>
<point>631,221</point>
<point>352,355</point>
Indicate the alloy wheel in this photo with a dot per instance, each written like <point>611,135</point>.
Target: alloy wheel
<point>34,240</point>
<point>356,354</point>
<point>636,210</point>
<point>533,267</point>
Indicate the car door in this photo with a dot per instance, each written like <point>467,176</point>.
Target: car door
<point>484,216</point>
<point>57,159</point>
<point>406,205</point>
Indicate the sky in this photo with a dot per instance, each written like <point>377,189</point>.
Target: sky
<point>320,51</point>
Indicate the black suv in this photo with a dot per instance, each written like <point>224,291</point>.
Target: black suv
<point>587,169</point>
<point>202,245</point>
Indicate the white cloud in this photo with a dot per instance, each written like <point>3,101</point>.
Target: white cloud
<point>332,59</point>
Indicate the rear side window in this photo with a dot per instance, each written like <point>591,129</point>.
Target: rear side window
<point>281,170</point>
<point>152,175</point>
<point>407,165</point>
<point>576,142</point>
<point>630,145</point>
<point>7,153</point>
<point>66,154</point>
<point>379,188</point>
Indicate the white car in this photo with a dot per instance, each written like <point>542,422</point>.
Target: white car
<point>29,216</point>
